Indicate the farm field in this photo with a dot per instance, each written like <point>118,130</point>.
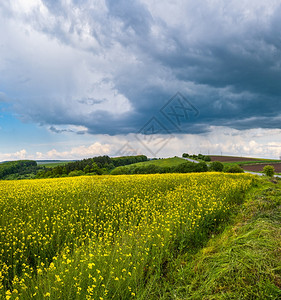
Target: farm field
<point>107,237</point>
<point>248,164</point>
<point>236,159</point>
<point>259,167</point>
<point>230,158</point>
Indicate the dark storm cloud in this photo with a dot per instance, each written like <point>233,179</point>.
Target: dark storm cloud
<point>224,57</point>
<point>132,14</point>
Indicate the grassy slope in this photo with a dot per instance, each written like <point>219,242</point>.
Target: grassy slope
<point>242,262</point>
<point>53,164</point>
<point>166,162</point>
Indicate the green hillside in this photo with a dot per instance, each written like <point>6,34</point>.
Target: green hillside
<point>164,162</point>
<point>167,165</point>
<point>53,163</point>
<point>19,169</point>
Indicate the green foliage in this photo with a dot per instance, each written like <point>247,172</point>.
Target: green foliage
<point>97,166</point>
<point>18,169</point>
<point>120,171</point>
<point>95,169</point>
<point>200,156</point>
<point>76,173</point>
<point>186,167</point>
<point>127,160</point>
<point>233,169</point>
<point>162,166</point>
<point>268,170</point>
<point>216,166</point>
<point>207,158</point>
<point>189,167</point>
<point>87,169</point>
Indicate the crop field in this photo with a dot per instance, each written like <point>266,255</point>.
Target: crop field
<point>241,160</point>
<point>259,167</point>
<point>105,237</point>
<point>231,158</point>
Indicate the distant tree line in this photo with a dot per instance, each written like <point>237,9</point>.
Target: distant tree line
<point>186,167</point>
<point>199,156</point>
<point>18,169</point>
<point>95,166</point>
<point>25,169</point>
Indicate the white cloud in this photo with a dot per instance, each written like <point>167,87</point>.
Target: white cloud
<point>54,78</point>
<point>219,140</point>
<point>39,155</point>
<point>80,152</point>
<point>261,143</point>
<point>21,154</point>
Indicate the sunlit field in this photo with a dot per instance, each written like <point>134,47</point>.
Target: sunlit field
<point>105,237</point>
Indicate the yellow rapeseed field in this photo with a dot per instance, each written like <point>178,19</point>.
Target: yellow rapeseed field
<point>104,237</point>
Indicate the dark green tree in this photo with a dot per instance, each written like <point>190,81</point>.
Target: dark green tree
<point>207,158</point>
<point>269,171</point>
<point>216,166</point>
<point>87,169</point>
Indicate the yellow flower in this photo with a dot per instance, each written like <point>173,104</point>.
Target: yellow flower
<point>91,265</point>
<point>8,294</point>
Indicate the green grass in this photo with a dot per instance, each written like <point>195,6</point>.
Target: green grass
<point>52,164</point>
<point>165,162</point>
<point>242,262</point>
<point>160,163</point>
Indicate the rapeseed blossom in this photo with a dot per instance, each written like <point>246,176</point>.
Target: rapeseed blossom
<point>94,237</point>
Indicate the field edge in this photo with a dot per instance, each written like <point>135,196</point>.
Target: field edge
<point>241,262</point>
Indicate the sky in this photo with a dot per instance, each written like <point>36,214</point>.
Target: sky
<point>118,77</point>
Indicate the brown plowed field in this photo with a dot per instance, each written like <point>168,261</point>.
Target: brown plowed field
<point>259,167</point>
<point>231,158</point>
